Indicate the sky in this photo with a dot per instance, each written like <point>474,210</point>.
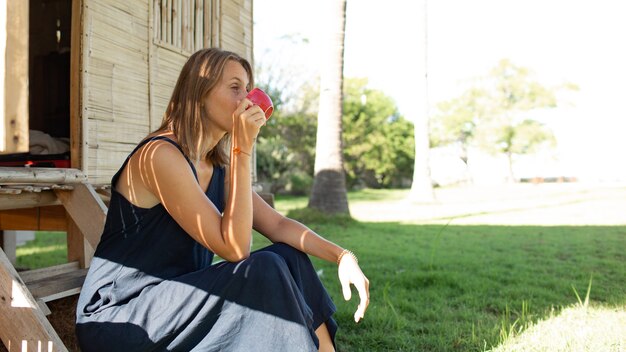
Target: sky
<point>577,41</point>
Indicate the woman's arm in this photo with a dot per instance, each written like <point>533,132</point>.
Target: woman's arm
<point>166,174</point>
<point>278,228</point>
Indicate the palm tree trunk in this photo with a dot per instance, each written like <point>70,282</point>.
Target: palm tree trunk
<point>329,185</point>
<point>421,188</point>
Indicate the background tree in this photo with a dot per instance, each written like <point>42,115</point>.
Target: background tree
<point>493,115</point>
<point>378,142</point>
<point>286,145</point>
<point>456,121</point>
<point>329,185</point>
<point>507,128</point>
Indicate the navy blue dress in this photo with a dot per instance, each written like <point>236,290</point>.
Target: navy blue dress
<point>152,287</point>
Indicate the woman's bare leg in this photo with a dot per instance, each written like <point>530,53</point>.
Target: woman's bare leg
<point>326,344</point>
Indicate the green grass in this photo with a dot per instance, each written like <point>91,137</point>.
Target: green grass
<point>48,248</point>
<point>468,288</point>
<point>455,288</point>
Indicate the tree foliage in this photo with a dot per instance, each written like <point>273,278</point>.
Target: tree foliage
<point>286,145</point>
<point>377,142</point>
<point>493,114</point>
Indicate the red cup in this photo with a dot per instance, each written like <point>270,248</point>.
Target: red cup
<point>260,98</point>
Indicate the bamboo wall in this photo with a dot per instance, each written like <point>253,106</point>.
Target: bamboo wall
<point>132,53</point>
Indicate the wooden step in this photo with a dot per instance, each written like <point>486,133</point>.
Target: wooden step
<point>54,282</point>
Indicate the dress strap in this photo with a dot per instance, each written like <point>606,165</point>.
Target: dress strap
<point>141,144</point>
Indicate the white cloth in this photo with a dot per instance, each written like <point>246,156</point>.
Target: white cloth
<point>43,143</point>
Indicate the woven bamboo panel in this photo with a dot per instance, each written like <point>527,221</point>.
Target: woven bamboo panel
<point>236,27</point>
<point>115,83</point>
<point>165,66</point>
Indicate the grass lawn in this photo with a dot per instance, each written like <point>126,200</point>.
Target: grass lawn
<point>439,287</point>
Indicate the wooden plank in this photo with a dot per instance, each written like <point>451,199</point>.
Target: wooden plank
<point>86,209</point>
<point>50,218</point>
<point>37,175</point>
<point>23,325</point>
<point>27,200</point>
<point>14,77</point>
<point>76,140</point>
<point>30,276</point>
<point>58,286</point>
<point>19,219</point>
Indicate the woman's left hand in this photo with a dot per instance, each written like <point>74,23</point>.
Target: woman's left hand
<point>350,273</point>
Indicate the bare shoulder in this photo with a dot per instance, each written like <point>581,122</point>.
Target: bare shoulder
<point>160,159</point>
<point>156,164</point>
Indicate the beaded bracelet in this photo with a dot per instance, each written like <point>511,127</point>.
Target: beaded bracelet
<point>344,252</point>
<point>238,151</point>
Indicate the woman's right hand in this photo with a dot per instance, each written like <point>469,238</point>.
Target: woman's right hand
<point>247,121</point>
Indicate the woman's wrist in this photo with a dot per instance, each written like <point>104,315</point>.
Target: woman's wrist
<point>238,151</point>
<point>346,252</point>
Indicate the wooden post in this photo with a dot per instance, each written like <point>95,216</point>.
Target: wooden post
<point>86,209</point>
<point>76,104</point>
<point>9,244</point>
<point>13,76</point>
<point>78,249</point>
<point>23,325</point>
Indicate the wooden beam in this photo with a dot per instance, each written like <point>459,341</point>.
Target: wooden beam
<point>52,218</point>
<point>38,175</point>
<point>23,325</point>
<point>78,248</point>
<point>86,209</point>
<point>42,273</point>
<point>28,200</point>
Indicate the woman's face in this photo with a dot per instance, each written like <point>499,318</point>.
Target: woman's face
<point>222,100</point>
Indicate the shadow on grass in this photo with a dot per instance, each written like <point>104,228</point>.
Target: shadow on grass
<point>467,288</point>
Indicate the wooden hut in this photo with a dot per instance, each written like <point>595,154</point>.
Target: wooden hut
<point>96,74</point>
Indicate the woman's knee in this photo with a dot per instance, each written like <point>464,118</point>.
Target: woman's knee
<point>264,264</point>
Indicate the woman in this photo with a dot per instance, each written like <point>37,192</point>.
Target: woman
<point>177,200</point>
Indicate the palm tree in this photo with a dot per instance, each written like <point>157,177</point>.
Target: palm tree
<point>329,185</point>
<point>421,188</point>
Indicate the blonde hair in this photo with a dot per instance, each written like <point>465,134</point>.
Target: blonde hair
<point>185,114</point>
